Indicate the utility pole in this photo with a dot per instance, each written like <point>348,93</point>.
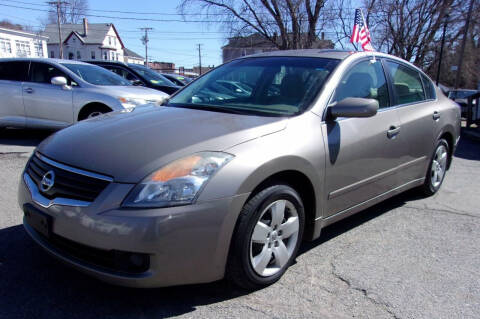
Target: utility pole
<point>200,58</point>
<point>447,16</point>
<point>145,42</point>
<point>57,4</point>
<point>464,41</point>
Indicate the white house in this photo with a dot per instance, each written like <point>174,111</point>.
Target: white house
<point>95,41</point>
<point>16,44</point>
<point>132,57</point>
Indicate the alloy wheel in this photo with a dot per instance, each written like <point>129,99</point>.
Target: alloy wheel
<point>439,166</point>
<point>274,238</point>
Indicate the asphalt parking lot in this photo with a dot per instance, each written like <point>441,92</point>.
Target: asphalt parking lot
<point>409,257</point>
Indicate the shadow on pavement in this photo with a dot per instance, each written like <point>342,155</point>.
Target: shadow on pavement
<point>23,137</point>
<point>468,149</point>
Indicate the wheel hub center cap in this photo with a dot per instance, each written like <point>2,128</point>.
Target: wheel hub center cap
<point>274,235</point>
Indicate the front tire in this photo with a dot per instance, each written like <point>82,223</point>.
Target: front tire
<point>267,237</point>
<point>437,168</point>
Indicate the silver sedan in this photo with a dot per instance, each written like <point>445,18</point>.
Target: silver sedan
<point>219,184</point>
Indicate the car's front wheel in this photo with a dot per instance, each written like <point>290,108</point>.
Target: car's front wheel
<point>267,237</point>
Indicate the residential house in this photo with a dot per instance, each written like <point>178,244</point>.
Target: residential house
<point>16,44</point>
<point>256,43</point>
<point>94,41</point>
<point>132,57</point>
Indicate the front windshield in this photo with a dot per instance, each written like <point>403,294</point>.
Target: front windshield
<point>151,76</point>
<point>275,86</point>
<point>96,75</point>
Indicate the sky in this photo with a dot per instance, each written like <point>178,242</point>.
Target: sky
<point>170,41</point>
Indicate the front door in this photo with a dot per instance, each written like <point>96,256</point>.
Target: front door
<point>47,105</point>
<point>12,110</point>
<point>363,154</point>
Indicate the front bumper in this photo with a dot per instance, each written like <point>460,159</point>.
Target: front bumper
<point>185,244</point>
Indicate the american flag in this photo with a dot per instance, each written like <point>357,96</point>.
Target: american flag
<point>360,32</point>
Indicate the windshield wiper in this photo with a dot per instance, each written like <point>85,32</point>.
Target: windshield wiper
<point>216,109</point>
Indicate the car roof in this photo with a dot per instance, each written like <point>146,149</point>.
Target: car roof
<point>316,53</point>
<point>47,60</point>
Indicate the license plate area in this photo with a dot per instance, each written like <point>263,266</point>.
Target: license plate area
<point>38,220</point>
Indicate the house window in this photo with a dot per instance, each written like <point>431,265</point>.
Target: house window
<point>38,47</point>
<point>74,40</point>
<point>5,45</point>
<point>79,56</point>
<point>52,54</point>
<point>118,56</point>
<point>70,55</point>
<point>112,56</point>
<point>23,48</point>
<point>93,55</point>
<point>114,41</point>
<point>105,56</point>
<point>109,40</point>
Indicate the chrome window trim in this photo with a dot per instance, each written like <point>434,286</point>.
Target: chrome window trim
<point>73,169</point>
<point>45,202</point>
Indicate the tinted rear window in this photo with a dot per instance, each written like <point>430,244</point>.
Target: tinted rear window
<point>429,88</point>
<point>14,71</point>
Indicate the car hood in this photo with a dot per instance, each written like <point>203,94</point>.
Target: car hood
<point>130,145</point>
<point>134,92</point>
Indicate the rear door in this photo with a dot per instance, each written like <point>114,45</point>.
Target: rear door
<point>12,110</point>
<point>363,154</point>
<point>415,104</point>
<point>47,105</point>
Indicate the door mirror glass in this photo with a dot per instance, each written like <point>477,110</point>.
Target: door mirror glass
<point>353,107</point>
<point>59,80</point>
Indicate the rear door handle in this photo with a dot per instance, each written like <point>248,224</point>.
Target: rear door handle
<point>436,115</point>
<point>28,90</point>
<point>393,131</point>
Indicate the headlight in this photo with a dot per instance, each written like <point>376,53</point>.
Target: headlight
<point>177,183</point>
<point>129,102</point>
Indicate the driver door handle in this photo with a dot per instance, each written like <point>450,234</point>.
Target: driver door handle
<point>393,131</point>
<point>28,90</point>
<point>436,115</point>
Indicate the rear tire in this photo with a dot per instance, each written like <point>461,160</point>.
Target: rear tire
<point>437,168</point>
<point>267,237</point>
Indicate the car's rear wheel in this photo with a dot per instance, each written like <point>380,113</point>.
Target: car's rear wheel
<point>437,168</point>
<point>267,237</point>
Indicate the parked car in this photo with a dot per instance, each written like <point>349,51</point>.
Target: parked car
<point>205,187</point>
<point>50,93</point>
<point>179,80</point>
<point>139,75</point>
<point>461,97</point>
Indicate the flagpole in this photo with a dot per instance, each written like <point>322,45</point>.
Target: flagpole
<point>366,26</point>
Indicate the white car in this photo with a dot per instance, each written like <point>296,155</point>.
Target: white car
<point>52,93</point>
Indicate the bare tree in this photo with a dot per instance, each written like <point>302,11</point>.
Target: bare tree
<point>71,11</point>
<point>287,24</point>
<point>9,25</point>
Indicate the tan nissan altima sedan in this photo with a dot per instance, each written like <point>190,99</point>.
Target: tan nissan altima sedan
<point>227,181</point>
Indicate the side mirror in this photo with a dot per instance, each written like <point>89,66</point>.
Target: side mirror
<point>353,107</point>
<point>59,80</point>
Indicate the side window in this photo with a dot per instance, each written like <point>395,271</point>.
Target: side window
<point>123,73</point>
<point>407,84</point>
<point>14,71</point>
<point>365,80</point>
<point>429,88</point>
<point>43,73</point>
